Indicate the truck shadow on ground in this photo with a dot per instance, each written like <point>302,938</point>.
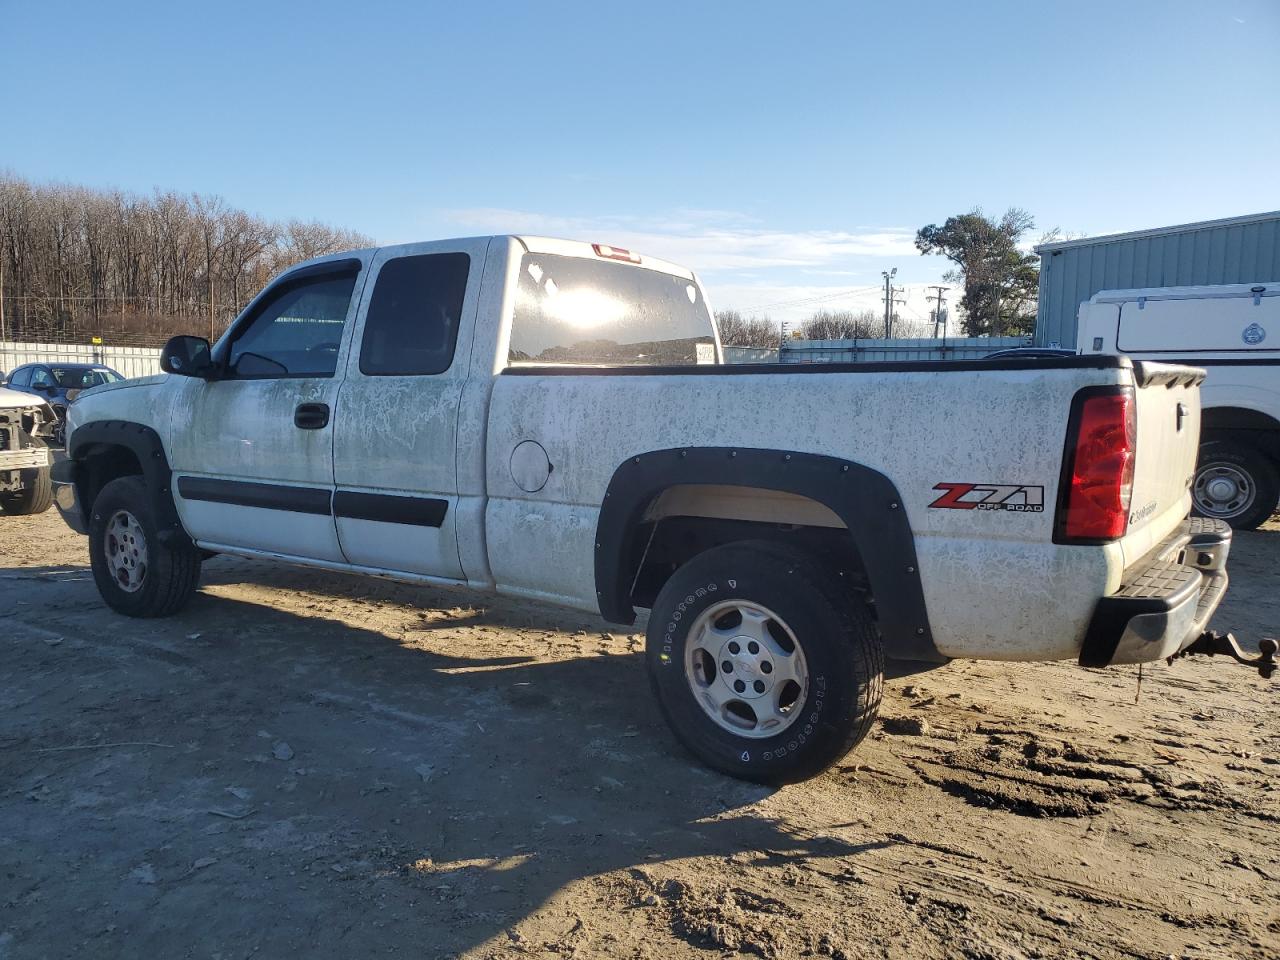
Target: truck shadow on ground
<point>341,788</point>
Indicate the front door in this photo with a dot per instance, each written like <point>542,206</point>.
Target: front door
<point>395,435</point>
<point>252,452</point>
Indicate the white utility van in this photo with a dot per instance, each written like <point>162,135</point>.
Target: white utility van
<point>1233,331</point>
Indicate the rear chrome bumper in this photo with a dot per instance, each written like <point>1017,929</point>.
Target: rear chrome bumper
<point>1162,608</point>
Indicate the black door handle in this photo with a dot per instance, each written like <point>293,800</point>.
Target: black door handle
<point>311,416</point>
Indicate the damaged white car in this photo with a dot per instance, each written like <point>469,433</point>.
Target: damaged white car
<point>25,424</point>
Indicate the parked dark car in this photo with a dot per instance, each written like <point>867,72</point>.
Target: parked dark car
<point>58,384</point>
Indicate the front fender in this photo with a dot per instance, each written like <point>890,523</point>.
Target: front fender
<point>91,447</point>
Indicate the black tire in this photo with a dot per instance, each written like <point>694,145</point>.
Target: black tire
<point>36,495</point>
<point>171,573</point>
<point>832,627</point>
<point>1237,459</point>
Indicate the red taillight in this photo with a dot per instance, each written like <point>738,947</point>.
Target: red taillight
<point>615,253</point>
<point>1095,504</point>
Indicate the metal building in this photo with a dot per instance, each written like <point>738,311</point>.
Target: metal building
<point>1235,250</point>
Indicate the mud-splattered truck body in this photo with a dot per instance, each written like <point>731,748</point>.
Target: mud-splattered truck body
<point>552,419</point>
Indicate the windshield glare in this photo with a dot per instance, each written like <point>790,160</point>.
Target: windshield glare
<point>575,310</point>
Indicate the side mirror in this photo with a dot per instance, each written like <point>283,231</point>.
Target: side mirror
<point>187,357</point>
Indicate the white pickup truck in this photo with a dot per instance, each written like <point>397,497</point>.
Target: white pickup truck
<point>550,419</point>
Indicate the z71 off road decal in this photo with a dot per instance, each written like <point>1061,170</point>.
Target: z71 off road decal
<point>990,496</point>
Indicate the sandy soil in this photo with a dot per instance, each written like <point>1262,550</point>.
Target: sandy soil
<point>315,764</point>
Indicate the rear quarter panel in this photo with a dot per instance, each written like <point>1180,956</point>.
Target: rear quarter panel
<point>995,585</point>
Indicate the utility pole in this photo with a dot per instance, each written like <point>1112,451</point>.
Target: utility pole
<point>888,300</point>
<point>940,311</point>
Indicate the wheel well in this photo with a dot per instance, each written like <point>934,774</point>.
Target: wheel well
<point>684,521</point>
<point>101,464</point>
<point>1242,425</point>
<point>688,499</point>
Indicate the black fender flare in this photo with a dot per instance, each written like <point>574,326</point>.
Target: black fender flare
<point>865,500</point>
<point>145,444</point>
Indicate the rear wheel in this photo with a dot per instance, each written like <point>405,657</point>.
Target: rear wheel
<point>36,495</point>
<point>1236,483</point>
<point>136,573</point>
<point>765,665</point>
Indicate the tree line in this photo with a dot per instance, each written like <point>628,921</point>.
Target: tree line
<point>737,330</point>
<point>76,263</point>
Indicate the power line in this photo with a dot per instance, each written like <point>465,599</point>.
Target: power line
<point>939,313</point>
<point>890,299</point>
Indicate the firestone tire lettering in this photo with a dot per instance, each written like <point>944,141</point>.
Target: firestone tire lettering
<point>834,629</point>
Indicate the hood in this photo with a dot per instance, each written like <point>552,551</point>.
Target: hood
<point>14,399</point>
<point>122,385</point>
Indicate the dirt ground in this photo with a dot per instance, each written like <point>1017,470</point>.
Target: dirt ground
<point>316,764</point>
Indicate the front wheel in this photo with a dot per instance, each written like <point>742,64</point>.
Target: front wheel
<point>765,665</point>
<point>136,574</point>
<point>1236,483</point>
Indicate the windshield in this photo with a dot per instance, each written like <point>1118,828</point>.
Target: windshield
<point>573,310</point>
<point>82,378</point>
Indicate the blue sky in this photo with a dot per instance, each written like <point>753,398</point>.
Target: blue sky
<point>785,151</point>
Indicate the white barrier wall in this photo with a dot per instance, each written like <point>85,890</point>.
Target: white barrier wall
<point>750,354</point>
<point>852,351</point>
<point>871,350</point>
<point>127,361</point>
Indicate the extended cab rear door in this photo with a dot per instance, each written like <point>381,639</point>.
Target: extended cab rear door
<point>395,439</point>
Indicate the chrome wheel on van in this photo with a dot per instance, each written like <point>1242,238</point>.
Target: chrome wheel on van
<point>1223,490</point>
<point>126,551</point>
<point>1236,482</point>
<point>746,669</point>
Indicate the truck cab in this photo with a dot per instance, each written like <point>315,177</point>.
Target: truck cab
<point>1233,332</point>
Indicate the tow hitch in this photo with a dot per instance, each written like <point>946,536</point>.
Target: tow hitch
<point>1211,642</point>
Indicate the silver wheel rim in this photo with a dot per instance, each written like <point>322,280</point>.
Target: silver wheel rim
<point>1223,490</point>
<point>125,546</point>
<point>746,669</point>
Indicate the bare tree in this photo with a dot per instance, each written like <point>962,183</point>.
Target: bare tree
<point>739,331</point>
<point>77,263</point>
<point>841,325</point>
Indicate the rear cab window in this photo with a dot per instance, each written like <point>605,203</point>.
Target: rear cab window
<point>575,310</point>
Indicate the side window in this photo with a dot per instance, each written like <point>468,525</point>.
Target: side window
<point>21,377</point>
<point>296,331</point>
<point>40,377</point>
<point>412,325</point>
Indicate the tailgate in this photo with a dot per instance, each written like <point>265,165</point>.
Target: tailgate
<point>1168,441</point>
